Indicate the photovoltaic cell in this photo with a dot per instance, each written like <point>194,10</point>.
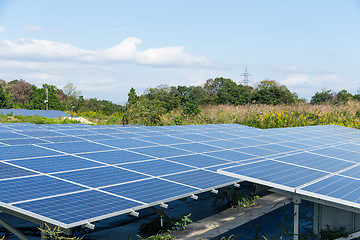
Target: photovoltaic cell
<point>316,161</point>
<point>8,171</point>
<point>230,155</point>
<point>161,151</point>
<point>24,151</point>
<point>197,147</point>
<point>33,187</point>
<point>198,160</point>
<point>22,141</point>
<point>151,190</point>
<point>98,177</point>
<point>126,143</point>
<point>157,167</point>
<point>115,157</point>
<point>78,207</point>
<point>77,147</point>
<point>201,179</point>
<point>55,164</point>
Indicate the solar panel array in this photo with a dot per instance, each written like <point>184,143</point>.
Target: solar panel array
<point>41,113</point>
<point>325,166</point>
<point>71,174</point>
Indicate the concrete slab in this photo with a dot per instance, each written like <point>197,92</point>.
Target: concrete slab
<point>229,219</point>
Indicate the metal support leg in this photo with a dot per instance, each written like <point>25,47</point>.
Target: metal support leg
<point>297,201</point>
<point>12,229</point>
<point>43,235</point>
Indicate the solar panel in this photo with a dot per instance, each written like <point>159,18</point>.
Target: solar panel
<point>88,173</point>
<point>142,192</point>
<point>157,167</point>
<point>55,164</point>
<point>99,177</point>
<point>115,157</point>
<point>76,209</point>
<point>41,113</point>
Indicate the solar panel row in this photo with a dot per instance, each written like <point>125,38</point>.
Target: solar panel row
<point>47,170</point>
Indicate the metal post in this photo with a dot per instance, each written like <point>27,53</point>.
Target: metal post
<point>16,232</point>
<point>297,201</point>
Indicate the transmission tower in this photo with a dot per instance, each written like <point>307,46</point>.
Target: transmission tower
<point>246,75</point>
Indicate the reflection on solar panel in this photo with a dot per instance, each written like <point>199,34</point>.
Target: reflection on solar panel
<point>71,174</point>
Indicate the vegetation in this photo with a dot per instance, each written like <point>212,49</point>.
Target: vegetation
<point>55,233</point>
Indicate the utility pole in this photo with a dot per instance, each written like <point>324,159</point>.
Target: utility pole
<point>47,99</point>
<point>246,75</point>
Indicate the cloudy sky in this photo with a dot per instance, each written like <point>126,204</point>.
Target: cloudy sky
<point>106,47</point>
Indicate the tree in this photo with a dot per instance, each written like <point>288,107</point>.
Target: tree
<point>322,97</point>
<point>132,97</point>
<point>2,98</point>
<point>71,95</point>
<point>271,92</point>
<point>343,96</point>
<point>20,91</point>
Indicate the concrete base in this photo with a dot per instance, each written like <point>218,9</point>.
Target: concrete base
<point>231,218</point>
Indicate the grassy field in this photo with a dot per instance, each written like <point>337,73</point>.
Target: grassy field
<point>260,116</point>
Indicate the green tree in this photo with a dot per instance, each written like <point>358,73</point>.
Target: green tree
<point>343,96</point>
<point>271,92</point>
<point>322,97</point>
<point>2,98</point>
<point>132,97</point>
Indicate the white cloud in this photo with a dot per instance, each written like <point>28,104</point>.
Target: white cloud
<point>2,29</point>
<point>126,51</point>
<point>32,28</point>
<point>102,73</point>
<point>294,80</point>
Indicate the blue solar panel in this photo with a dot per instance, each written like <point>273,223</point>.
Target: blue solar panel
<point>231,155</point>
<point>55,164</point>
<point>42,133</point>
<point>8,171</point>
<point>126,143</point>
<point>77,147</point>
<point>164,140</point>
<point>125,161</point>
<point>99,177</point>
<point>278,148</point>
<point>198,160</point>
<point>225,144</point>
<point>339,153</point>
<point>156,167</point>
<point>75,132</point>
<point>316,161</point>
<point>78,207</point>
<point>197,147</point>
<point>115,157</point>
<point>10,135</point>
<point>256,151</point>
<point>276,173</point>
<point>22,141</point>
<point>24,151</point>
<point>41,113</point>
<point>337,187</point>
<point>142,192</point>
<point>195,137</point>
<point>61,139</point>
<point>161,151</point>
<point>201,179</point>
<point>33,187</point>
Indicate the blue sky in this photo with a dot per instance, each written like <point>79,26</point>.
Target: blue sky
<point>106,47</point>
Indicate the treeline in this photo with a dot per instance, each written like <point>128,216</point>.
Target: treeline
<point>155,102</point>
<point>23,95</point>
